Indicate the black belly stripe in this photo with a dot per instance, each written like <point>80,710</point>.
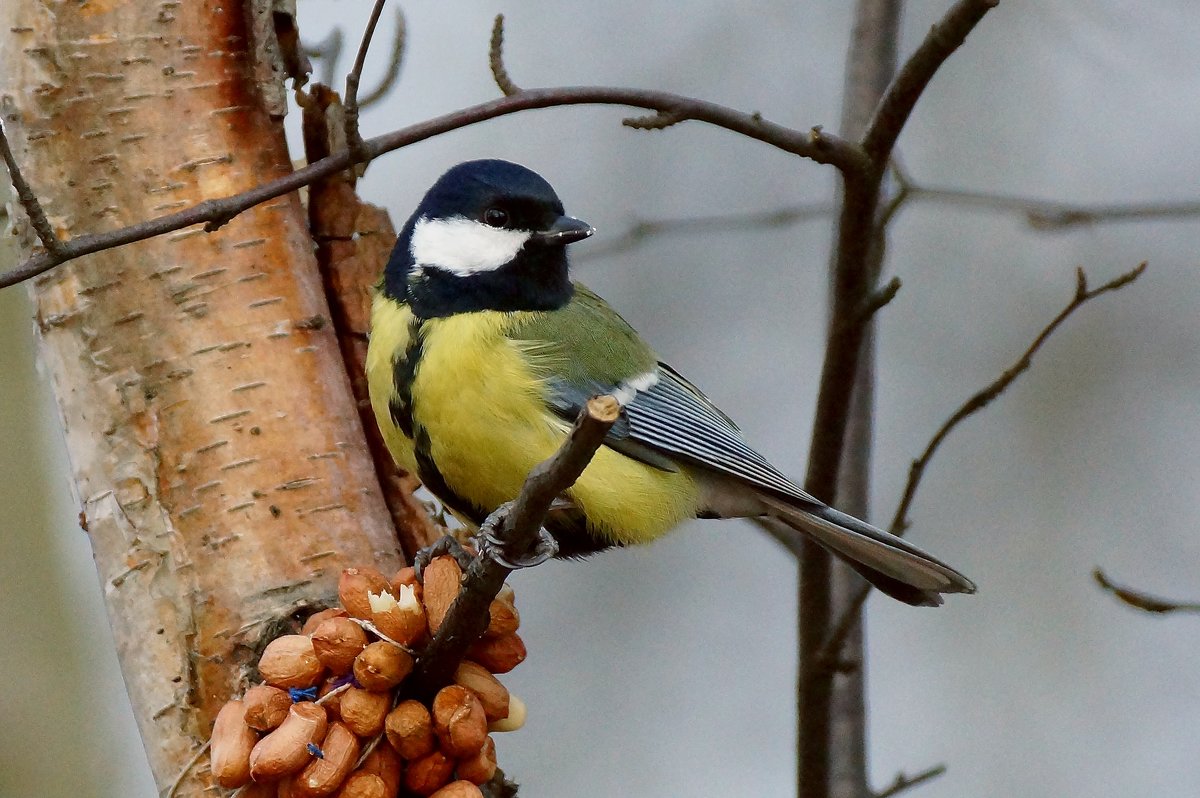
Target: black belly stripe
<point>402,411</point>
<point>431,478</point>
<point>404,371</point>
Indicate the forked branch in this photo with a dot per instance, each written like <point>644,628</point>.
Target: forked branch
<point>981,399</point>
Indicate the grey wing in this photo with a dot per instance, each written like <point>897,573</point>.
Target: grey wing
<point>671,420</point>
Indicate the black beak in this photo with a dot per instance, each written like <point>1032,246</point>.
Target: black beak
<point>565,230</point>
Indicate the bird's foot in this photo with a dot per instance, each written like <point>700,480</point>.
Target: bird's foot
<point>499,550</point>
<point>446,544</point>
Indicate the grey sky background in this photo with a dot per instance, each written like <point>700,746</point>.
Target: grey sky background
<point>668,670</point>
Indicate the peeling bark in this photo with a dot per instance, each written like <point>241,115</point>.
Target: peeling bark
<point>217,453</point>
<point>354,241</point>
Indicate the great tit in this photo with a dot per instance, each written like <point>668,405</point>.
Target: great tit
<point>482,352</point>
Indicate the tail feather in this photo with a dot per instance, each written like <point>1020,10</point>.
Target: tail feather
<point>895,566</point>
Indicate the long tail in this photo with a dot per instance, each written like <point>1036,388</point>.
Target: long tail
<point>895,566</point>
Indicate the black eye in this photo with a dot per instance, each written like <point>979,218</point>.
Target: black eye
<point>495,217</point>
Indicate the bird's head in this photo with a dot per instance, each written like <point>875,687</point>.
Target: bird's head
<point>489,235</point>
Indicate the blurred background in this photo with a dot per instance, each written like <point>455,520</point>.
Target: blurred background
<point>669,670</point>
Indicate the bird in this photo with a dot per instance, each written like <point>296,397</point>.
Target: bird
<point>482,351</point>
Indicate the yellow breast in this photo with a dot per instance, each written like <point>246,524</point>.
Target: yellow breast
<point>479,396</point>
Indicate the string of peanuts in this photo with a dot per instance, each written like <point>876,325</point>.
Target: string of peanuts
<point>329,718</point>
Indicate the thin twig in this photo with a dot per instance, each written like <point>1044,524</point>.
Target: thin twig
<point>187,768</point>
<point>1042,215</point>
<point>640,231</point>
<point>1050,215</point>
<point>894,109</point>
<point>1141,600</point>
<point>328,51</point>
<point>354,140</point>
<point>496,60</point>
<point>29,201</point>
<point>214,213</point>
<point>395,62</point>
<point>905,782</point>
<point>974,404</point>
<point>517,528</point>
<point>983,397</point>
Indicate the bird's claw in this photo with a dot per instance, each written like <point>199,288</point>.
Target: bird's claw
<point>446,544</point>
<point>496,548</point>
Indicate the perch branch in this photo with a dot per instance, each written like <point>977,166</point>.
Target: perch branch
<point>214,213</point>
<point>897,103</point>
<point>516,526</point>
<point>1141,600</point>
<point>974,404</point>
<point>904,782</point>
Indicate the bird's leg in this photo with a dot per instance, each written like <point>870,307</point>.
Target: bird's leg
<point>491,545</point>
<point>446,544</point>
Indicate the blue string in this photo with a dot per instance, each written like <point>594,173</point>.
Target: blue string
<point>307,694</point>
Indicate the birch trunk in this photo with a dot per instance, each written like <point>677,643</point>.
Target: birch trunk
<point>218,458</point>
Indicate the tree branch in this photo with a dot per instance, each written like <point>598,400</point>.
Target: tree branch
<point>980,400</point>
<point>354,140</point>
<point>1141,600</point>
<point>29,201</point>
<point>1042,215</point>
<point>516,526</point>
<point>1052,215</point>
<point>395,62</point>
<point>998,386</point>
<point>901,97</point>
<point>214,213</point>
<point>644,229</point>
<point>831,715</point>
<point>905,782</point>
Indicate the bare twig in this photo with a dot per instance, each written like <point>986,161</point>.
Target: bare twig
<point>904,782</point>
<point>643,230</point>
<point>516,527</point>
<point>186,769</point>
<point>496,60</point>
<point>29,201</point>
<point>1050,215</point>
<point>901,97</point>
<point>980,400</point>
<point>1141,600</point>
<point>395,62</point>
<point>328,51</point>
<point>354,140</point>
<point>214,213</point>
<point>1042,215</point>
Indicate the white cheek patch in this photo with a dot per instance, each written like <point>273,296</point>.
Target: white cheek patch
<point>628,390</point>
<point>463,246</point>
